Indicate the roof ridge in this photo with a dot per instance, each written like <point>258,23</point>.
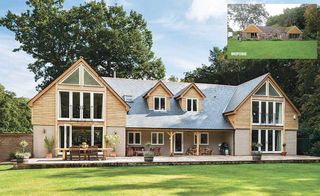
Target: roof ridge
<point>254,78</point>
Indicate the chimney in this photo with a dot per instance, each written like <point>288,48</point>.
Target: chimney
<point>114,74</point>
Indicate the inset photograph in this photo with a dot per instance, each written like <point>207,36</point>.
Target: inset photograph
<point>272,31</point>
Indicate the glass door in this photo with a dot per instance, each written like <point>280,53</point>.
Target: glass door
<point>178,143</point>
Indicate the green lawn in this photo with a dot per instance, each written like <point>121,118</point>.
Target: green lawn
<point>247,179</point>
<point>273,49</point>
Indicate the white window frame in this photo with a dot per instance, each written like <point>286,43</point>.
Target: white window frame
<point>157,138</point>
<point>267,90</point>
<point>266,140</point>
<point>192,104</point>
<point>194,138</point>
<point>267,113</point>
<point>134,137</point>
<point>81,106</point>
<point>174,143</point>
<point>165,103</point>
<point>81,77</point>
<point>70,135</point>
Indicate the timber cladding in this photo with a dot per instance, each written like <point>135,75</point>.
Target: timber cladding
<point>44,108</point>
<point>116,114</point>
<point>9,143</point>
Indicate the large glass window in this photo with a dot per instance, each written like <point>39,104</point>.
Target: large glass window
<point>97,105</point>
<point>80,135</point>
<point>159,103</point>
<point>272,91</point>
<point>88,79</point>
<point>267,90</point>
<point>76,105</point>
<point>64,104</point>
<point>64,136</point>
<point>157,138</point>
<point>262,90</point>
<point>98,137</point>
<point>86,106</point>
<point>134,138</point>
<point>73,78</point>
<point>192,104</point>
<point>267,112</point>
<point>204,139</point>
<point>270,140</point>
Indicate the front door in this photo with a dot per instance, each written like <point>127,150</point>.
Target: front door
<point>178,142</point>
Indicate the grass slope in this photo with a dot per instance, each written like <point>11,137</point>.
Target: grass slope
<point>273,49</point>
<point>249,179</point>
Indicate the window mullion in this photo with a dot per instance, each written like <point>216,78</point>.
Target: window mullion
<point>70,104</point>
<point>91,106</point>
<point>259,139</point>
<point>260,112</point>
<point>92,135</point>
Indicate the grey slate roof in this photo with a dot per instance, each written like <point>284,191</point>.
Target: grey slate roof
<point>219,99</point>
<point>274,29</point>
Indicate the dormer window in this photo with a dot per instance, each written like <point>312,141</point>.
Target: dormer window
<point>159,103</point>
<point>192,104</point>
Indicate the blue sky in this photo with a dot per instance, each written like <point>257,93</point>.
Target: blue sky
<point>183,33</point>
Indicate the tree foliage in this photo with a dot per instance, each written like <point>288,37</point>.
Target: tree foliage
<point>245,14</point>
<point>106,36</point>
<point>15,115</point>
<point>173,78</point>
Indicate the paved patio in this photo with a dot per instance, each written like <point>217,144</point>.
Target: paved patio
<point>162,160</point>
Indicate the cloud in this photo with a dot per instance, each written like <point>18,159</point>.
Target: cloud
<point>14,74</point>
<point>202,10</point>
<point>276,9</point>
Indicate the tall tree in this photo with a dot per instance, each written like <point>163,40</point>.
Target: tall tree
<point>106,36</point>
<point>173,78</point>
<point>245,14</point>
<point>15,115</point>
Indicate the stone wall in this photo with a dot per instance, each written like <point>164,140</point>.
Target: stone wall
<point>9,143</point>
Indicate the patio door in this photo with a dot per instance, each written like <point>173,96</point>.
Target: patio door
<point>178,142</point>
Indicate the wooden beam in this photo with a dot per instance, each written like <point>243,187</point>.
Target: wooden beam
<point>171,134</point>
<point>198,143</point>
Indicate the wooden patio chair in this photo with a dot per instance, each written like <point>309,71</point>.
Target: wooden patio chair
<point>92,152</point>
<point>74,152</point>
<point>156,151</point>
<point>130,151</point>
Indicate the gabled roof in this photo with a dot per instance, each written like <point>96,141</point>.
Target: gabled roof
<point>278,29</point>
<point>71,68</point>
<point>242,92</point>
<point>159,83</point>
<point>185,90</point>
<point>251,28</point>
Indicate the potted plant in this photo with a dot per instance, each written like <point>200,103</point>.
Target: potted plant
<point>256,154</point>
<point>49,144</point>
<point>284,152</point>
<point>22,154</point>
<point>148,154</point>
<point>112,140</point>
<point>224,148</point>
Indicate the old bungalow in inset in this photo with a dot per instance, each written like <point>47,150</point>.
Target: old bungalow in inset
<point>272,32</point>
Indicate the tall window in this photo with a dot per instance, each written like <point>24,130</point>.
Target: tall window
<point>81,77</point>
<point>270,140</point>
<point>157,138</point>
<point>134,138</point>
<point>84,105</point>
<point>192,104</point>
<point>204,139</point>
<point>159,103</point>
<point>267,112</point>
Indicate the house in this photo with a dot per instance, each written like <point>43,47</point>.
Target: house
<point>272,32</point>
<point>82,106</point>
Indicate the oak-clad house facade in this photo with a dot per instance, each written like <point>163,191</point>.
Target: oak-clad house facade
<point>82,106</point>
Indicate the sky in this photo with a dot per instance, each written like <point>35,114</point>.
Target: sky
<point>183,33</point>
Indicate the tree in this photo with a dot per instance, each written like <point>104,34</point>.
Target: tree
<point>106,36</point>
<point>245,14</point>
<point>312,20</point>
<point>15,115</point>
<point>173,78</point>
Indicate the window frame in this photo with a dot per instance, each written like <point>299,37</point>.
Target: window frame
<point>165,103</point>
<point>267,113</point>
<point>81,78</point>
<point>266,140</point>
<point>157,138</point>
<point>81,106</point>
<point>192,105</point>
<point>204,133</point>
<point>268,83</point>
<point>70,135</point>
<point>134,137</point>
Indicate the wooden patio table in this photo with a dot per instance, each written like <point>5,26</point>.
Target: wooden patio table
<point>84,150</point>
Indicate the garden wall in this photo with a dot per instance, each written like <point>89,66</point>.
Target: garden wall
<point>9,143</point>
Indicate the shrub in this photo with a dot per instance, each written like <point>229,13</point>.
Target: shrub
<point>315,150</point>
<point>112,141</point>
<point>23,144</point>
<point>49,144</point>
